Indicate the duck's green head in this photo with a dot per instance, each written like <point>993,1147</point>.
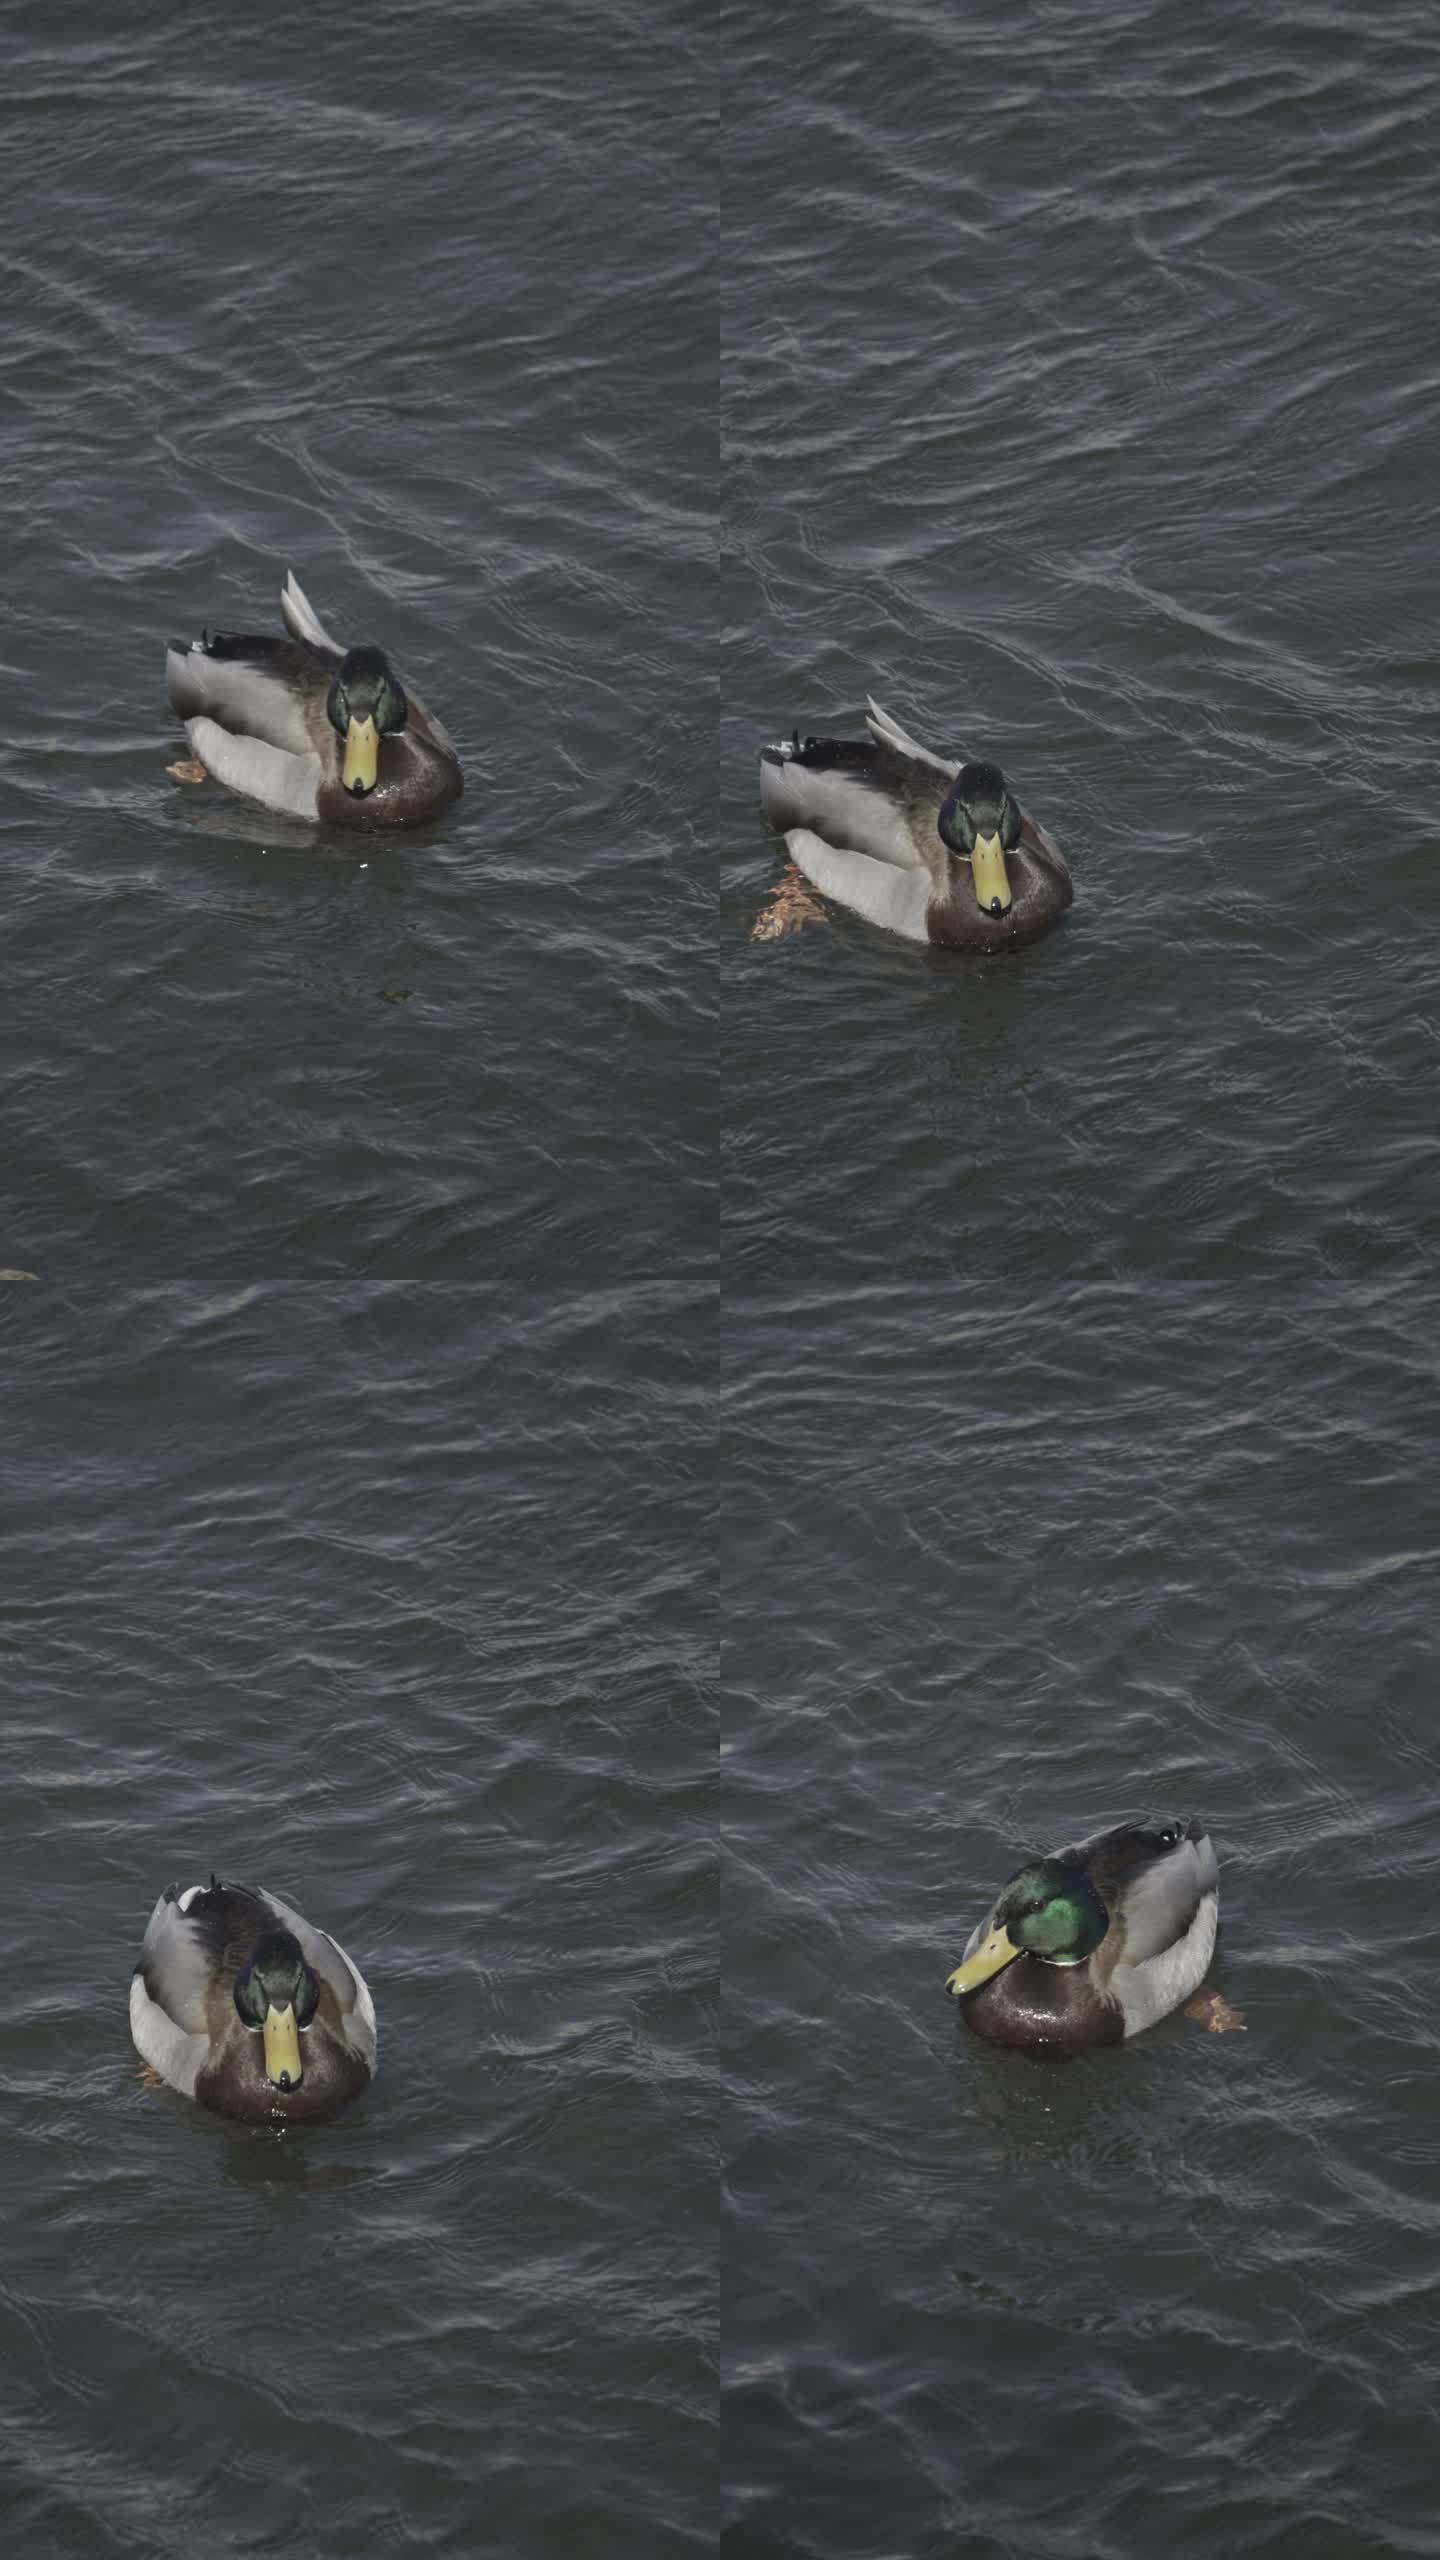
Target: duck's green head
<point>981,822</point>
<point>366,703</point>
<point>277,1994</point>
<point>1048,1910</point>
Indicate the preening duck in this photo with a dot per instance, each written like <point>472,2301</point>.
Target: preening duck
<point>239,2002</point>
<point>309,727</point>
<point>940,852</point>
<point>1093,1944</point>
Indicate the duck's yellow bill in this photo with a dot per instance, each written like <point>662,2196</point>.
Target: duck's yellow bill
<point>282,2047</point>
<point>362,756</point>
<point>992,1952</point>
<point>992,881</point>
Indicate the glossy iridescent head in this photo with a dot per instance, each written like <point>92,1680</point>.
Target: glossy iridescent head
<point>365,704</point>
<point>980,821</point>
<point>276,1995</point>
<point>1048,1910</point>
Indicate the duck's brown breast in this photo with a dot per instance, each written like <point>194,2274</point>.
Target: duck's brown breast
<point>1039,897</point>
<point>1033,2003</point>
<point>237,2085</point>
<point>414,781</point>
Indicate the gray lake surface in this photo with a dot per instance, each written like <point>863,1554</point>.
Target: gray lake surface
<point>1080,1312</point>
<point>355,1514</point>
<point>425,1334</point>
<point>426,314</point>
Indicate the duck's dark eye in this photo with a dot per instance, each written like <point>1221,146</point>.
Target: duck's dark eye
<point>1169,1834</point>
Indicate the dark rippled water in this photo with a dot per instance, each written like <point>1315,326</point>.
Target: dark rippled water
<point>1078,399</point>
<point>425,313</point>
<point>1078,1351</point>
<point>394,1600</point>
<point>354,1515</point>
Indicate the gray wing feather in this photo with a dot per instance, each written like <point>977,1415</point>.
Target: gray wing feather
<point>177,1967</point>
<point>887,732</point>
<point>269,774</point>
<point>176,2055</point>
<point>170,1997</point>
<point>1161,1902</point>
<point>302,620</point>
<point>846,813</point>
<point>239,695</point>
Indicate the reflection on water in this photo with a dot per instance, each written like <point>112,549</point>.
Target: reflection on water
<point>1080,1353</point>
<point>264,2159</point>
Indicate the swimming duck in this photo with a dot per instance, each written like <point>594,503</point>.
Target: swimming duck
<point>940,852</point>
<point>1094,1944</point>
<point>238,2002</point>
<point>309,727</point>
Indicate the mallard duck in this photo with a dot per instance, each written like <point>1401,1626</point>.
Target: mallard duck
<point>238,2002</point>
<point>1091,1945</point>
<point>937,851</point>
<point>306,726</point>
